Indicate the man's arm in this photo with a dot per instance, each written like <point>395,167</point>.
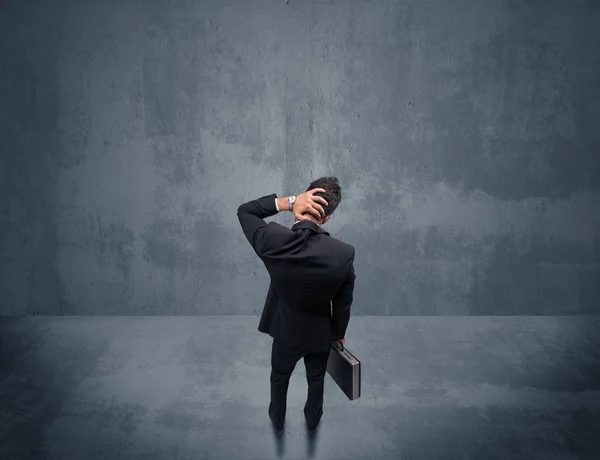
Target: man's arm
<point>341,303</point>
<point>252,213</point>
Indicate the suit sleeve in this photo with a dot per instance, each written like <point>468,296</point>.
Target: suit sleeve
<point>341,303</point>
<point>251,215</point>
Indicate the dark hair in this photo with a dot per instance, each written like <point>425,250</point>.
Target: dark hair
<point>333,195</point>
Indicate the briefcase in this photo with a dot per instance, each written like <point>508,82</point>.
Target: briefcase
<point>344,369</point>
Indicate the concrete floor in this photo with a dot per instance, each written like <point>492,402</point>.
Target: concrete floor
<point>198,388</point>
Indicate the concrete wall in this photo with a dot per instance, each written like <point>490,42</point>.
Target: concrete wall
<point>466,136</point>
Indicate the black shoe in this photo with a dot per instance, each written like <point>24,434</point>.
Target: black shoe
<point>276,428</point>
<point>313,426</point>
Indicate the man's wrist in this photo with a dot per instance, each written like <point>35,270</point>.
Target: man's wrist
<point>283,204</point>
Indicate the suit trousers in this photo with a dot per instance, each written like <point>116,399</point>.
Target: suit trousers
<point>283,361</point>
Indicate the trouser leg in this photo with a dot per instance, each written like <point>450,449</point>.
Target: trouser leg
<point>283,362</point>
<point>316,367</point>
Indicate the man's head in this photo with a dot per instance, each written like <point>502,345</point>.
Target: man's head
<point>333,196</point>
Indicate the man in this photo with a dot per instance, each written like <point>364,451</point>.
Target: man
<point>311,289</point>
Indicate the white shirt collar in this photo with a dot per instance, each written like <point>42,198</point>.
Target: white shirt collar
<point>298,221</point>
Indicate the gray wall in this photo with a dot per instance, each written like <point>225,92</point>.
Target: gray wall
<point>466,136</point>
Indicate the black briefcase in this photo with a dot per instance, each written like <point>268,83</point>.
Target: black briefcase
<point>344,369</point>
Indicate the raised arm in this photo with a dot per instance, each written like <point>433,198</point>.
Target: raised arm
<point>251,216</point>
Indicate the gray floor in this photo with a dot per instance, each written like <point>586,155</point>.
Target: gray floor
<point>198,388</point>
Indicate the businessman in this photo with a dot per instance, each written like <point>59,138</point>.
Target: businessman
<point>310,293</point>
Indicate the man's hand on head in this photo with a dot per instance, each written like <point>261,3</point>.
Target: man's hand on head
<point>307,202</point>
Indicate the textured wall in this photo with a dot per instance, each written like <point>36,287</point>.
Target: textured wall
<point>466,136</point>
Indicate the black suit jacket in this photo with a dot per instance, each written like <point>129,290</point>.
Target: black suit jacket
<point>312,278</point>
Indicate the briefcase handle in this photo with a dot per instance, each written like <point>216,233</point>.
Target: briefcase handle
<point>339,345</point>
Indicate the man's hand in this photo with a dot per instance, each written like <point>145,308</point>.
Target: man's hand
<point>308,202</point>
<point>342,341</point>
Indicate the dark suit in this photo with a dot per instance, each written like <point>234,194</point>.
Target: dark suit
<point>308,302</point>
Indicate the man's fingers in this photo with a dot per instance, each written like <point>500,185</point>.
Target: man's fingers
<point>316,190</point>
<point>312,204</point>
<point>320,199</point>
<point>315,211</point>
